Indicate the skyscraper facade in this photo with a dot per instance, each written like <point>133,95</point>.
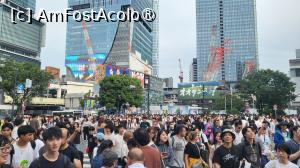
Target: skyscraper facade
<point>23,3</point>
<point>155,54</point>
<point>193,74</point>
<point>92,44</point>
<point>21,41</point>
<point>226,39</point>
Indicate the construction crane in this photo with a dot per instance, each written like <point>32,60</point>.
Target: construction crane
<point>181,72</point>
<point>91,57</point>
<point>249,67</point>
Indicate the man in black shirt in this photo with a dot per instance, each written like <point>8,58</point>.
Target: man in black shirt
<point>68,150</point>
<point>227,155</point>
<point>52,158</point>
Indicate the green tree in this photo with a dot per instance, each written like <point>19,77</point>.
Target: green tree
<point>269,87</point>
<point>236,106</point>
<point>14,73</point>
<point>120,89</point>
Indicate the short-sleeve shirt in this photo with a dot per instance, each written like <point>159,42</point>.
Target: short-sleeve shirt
<point>61,162</point>
<point>193,150</point>
<point>277,164</point>
<point>227,158</point>
<point>71,153</point>
<point>294,147</point>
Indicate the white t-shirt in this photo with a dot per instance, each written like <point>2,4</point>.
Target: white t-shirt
<point>120,146</point>
<point>276,163</point>
<point>39,144</point>
<point>26,153</point>
<point>238,138</point>
<point>14,133</point>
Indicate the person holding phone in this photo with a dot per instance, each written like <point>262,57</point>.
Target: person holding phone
<point>162,144</point>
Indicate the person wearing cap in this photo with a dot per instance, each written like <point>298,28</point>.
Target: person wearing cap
<point>99,139</point>
<point>250,149</point>
<point>281,134</point>
<point>227,155</point>
<point>283,152</point>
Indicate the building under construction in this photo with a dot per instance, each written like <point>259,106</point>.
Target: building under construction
<point>226,39</point>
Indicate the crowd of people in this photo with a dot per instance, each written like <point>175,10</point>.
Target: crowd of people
<point>151,141</point>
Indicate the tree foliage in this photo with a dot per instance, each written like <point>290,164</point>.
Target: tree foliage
<point>120,89</point>
<point>269,87</point>
<point>14,73</point>
<point>237,103</point>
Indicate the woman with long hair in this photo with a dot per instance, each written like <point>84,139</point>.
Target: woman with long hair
<point>162,144</point>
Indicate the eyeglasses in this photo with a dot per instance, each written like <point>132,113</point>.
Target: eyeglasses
<point>5,148</point>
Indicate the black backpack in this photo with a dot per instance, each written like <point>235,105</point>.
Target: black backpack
<point>12,151</point>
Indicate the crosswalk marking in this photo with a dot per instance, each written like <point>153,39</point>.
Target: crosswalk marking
<point>86,161</point>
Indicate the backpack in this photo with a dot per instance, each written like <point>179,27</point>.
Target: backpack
<point>12,151</point>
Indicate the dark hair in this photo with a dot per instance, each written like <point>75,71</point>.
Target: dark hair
<point>18,121</point>
<point>141,136</point>
<point>52,132</point>
<point>3,140</point>
<point>108,158</point>
<point>178,128</point>
<point>155,129</point>
<point>246,129</point>
<point>237,123</point>
<point>294,129</point>
<point>284,147</point>
<point>61,125</point>
<point>132,143</point>
<point>7,125</point>
<point>109,126</point>
<point>25,129</point>
<point>106,144</point>
<point>215,136</point>
<point>157,142</point>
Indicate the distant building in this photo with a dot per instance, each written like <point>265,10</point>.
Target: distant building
<point>168,82</point>
<point>21,41</point>
<point>226,39</point>
<point>295,77</point>
<point>193,71</point>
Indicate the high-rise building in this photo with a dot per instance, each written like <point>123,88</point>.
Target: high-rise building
<point>193,71</point>
<point>226,39</point>
<point>155,54</point>
<point>21,41</point>
<point>295,76</point>
<point>21,3</point>
<point>92,44</point>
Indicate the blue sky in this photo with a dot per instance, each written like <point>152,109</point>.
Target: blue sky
<point>278,26</point>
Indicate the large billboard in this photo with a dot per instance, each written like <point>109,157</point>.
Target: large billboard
<point>84,67</point>
<point>198,90</point>
<point>53,71</point>
<point>115,70</point>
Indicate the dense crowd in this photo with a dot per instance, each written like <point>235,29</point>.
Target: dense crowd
<point>152,141</point>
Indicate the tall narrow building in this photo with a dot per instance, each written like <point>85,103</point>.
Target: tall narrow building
<point>193,75</point>
<point>226,39</point>
<point>21,41</point>
<point>155,54</point>
<point>92,44</point>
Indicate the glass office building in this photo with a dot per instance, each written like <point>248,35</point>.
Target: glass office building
<point>226,39</point>
<point>90,44</point>
<point>21,41</point>
<point>155,57</point>
<point>23,3</point>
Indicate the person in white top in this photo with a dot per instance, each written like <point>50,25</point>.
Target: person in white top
<point>282,161</point>
<point>25,148</point>
<point>18,122</point>
<point>238,125</point>
<point>136,158</point>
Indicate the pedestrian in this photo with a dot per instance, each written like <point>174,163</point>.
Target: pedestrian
<point>69,150</point>
<point>110,159</point>
<point>283,152</point>
<point>52,158</point>
<point>98,159</point>
<point>178,142</point>
<point>250,149</point>
<point>24,149</point>
<point>164,147</point>
<point>227,155</point>
<point>294,145</point>
<point>5,148</point>
<point>281,134</point>
<point>153,158</point>
<point>136,158</point>
<point>6,130</point>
